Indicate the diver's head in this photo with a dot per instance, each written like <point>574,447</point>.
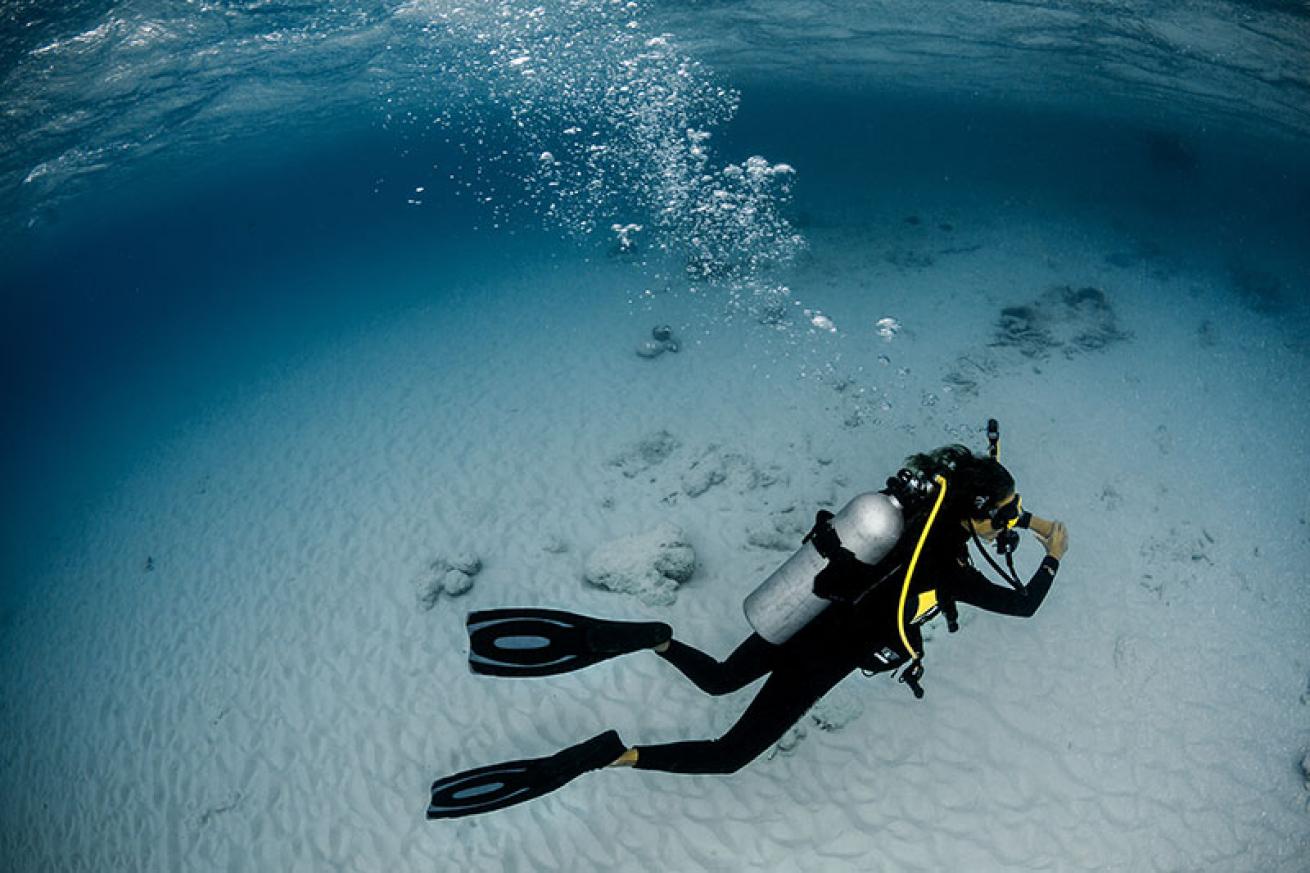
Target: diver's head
<point>999,516</point>
<point>993,506</point>
<point>980,491</point>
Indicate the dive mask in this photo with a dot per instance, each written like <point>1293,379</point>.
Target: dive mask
<point>1007,515</point>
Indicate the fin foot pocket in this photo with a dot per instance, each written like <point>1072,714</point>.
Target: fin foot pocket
<point>621,637</point>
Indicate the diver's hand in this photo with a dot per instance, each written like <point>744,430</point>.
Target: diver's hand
<point>1056,541</point>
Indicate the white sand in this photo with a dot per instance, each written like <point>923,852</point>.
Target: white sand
<point>268,697</point>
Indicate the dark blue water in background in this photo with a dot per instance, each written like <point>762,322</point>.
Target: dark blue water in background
<point>135,300</point>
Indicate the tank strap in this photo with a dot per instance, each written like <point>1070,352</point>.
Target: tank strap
<point>824,536</point>
<point>846,578</point>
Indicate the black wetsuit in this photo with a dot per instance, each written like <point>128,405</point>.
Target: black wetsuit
<point>841,639</point>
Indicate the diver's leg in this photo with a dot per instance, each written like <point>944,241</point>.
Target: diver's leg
<point>785,698</point>
<point>748,662</point>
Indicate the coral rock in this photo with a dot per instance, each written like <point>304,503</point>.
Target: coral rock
<point>649,565</point>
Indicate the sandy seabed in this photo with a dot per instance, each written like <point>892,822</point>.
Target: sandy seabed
<point>226,668</point>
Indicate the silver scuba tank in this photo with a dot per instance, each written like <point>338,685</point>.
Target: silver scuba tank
<point>870,526</point>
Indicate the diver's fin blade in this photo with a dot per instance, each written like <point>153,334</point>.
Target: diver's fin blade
<point>497,786</point>
<point>483,789</point>
<point>527,642</point>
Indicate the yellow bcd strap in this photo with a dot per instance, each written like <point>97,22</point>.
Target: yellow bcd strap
<point>926,608</point>
<point>909,573</point>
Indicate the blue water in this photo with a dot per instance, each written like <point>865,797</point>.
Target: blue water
<point>195,197</point>
<point>226,274</point>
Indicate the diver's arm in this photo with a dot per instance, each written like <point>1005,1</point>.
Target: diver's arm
<point>973,588</point>
<point>1038,525</point>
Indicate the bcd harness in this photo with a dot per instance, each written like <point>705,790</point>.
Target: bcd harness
<point>834,583</point>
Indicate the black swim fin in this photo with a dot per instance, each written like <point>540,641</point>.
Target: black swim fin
<point>542,642</point>
<point>500,785</point>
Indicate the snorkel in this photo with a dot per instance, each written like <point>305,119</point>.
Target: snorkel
<point>1007,538</point>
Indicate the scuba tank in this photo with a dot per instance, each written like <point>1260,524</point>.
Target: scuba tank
<point>870,526</point>
<point>868,530</point>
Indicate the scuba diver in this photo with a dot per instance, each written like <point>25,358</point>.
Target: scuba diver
<point>855,596</point>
